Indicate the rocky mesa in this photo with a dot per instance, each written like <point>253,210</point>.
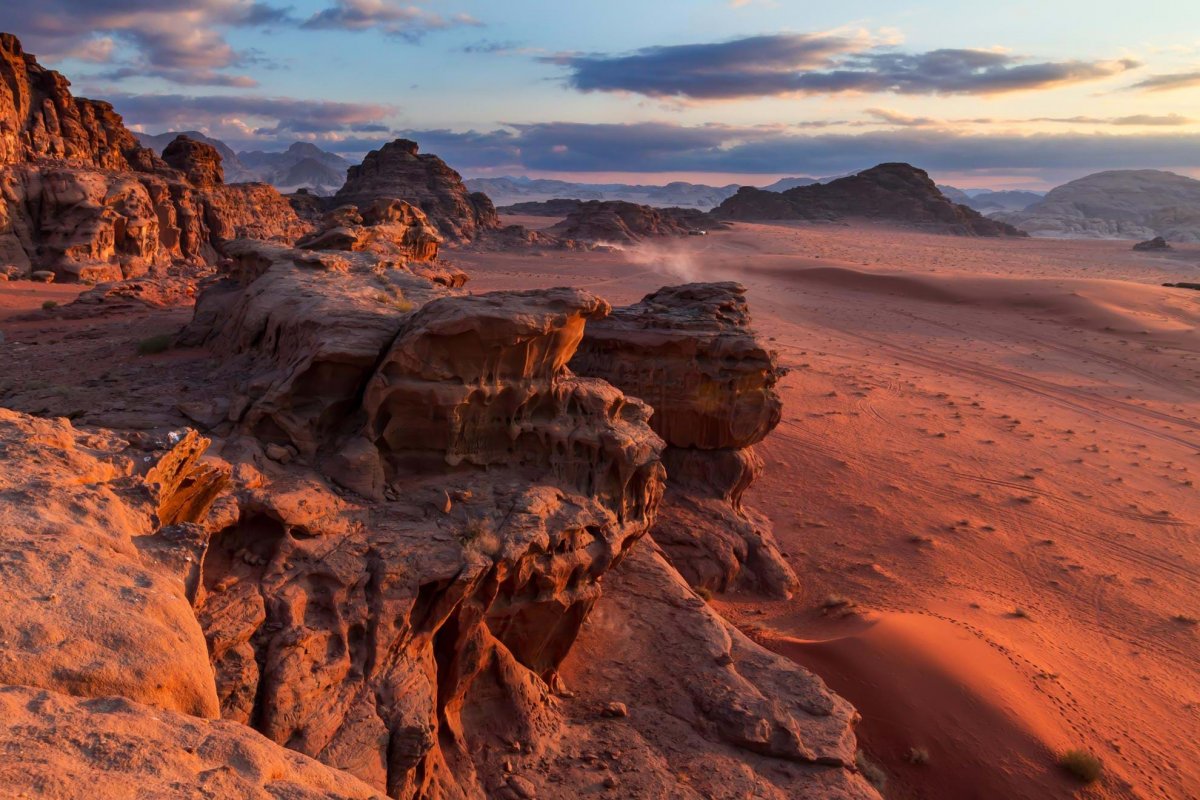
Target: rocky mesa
<point>893,193</point>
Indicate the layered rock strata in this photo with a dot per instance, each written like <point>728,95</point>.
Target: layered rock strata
<point>690,353</point>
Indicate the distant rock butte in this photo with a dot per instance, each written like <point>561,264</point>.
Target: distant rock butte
<point>1157,243</point>
<point>895,193</point>
<point>397,171</point>
<point>516,190</point>
<point>79,197</point>
<point>1119,204</point>
<point>601,221</point>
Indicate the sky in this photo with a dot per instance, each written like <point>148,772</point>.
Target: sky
<point>1016,94</point>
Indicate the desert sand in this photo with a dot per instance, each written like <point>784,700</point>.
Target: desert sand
<point>985,480</point>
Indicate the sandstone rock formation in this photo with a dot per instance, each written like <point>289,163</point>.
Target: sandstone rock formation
<point>624,223</point>
<point>80,197</point>
<point>897,193</point>
<point>388,227</point>
<point>690,353</point>
<point>1118,204</point>
<point>397,171</point>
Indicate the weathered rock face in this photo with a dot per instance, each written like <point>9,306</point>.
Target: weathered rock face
<point>897,193</point>
<point>111,748</point>
<point>387,227</point>
<point>200,163</point>
<point>623,223</point>
<point>81,198</point>
<point>398,171</point>
<point>39,119</point>
<point>72,520</point>
<point>690,353</point>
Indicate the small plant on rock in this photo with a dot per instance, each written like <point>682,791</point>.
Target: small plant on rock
<point>155,344</point>
<point>870,770</point>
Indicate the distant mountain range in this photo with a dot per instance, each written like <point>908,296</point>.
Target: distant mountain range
<point>301,166</point>
<point>1118,204</point>
<point>987,201</point>
<point>509,190</point>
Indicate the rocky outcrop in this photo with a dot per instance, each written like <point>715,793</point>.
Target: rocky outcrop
<point>515,487</point>
<point>200,163</point>
<point>1158,243</point>
<point>429,501</point>
<point>1118,204</point>
<point>894,193</point>
<point>599,221</point>
<point>690,353</point>
<point>81,198</point>
<point>387,227</point>
<point>397,171</point>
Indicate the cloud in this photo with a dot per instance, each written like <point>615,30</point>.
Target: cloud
<point>1167,83</point>
<point>1166,120</point>
<point>392,17</point>
<point>248,117</point>
<point>902,120</point>
<point>664,147</point>
<point>823,63</point>
<point>177,40</point>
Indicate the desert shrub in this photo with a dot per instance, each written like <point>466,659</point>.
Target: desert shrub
<point>154,344</point>
<point>49,305</point>
<point>870,770</point>
<point>397,301</point>
<point>705,593</point>
<point>1082,764</point>
<point>917,755</point>
<point>836,601</point>
<point>1185,619</point>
